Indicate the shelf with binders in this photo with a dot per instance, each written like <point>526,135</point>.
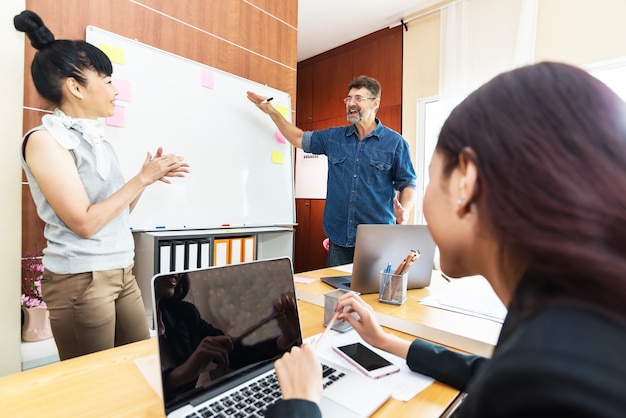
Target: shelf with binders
<point>167,251</point>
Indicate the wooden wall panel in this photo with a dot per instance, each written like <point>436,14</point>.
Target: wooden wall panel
<point>229,35</point>
<point>256,40</point>
<point>382,59</point>
<point>281,9</point>
<point>330,85</point>
<point>377,55</point>
<point>304,114</point>
<point>329,123</point>
<point>391,116</point>
<point>32,227</point>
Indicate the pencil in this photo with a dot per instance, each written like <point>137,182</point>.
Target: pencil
<point>328,327</point>
<point>402,269</point>
<point>258,325</point>
<point>410,259</point>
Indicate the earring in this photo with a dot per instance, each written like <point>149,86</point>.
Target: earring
<point>460,201</point>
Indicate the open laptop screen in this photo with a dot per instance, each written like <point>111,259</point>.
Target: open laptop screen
<point>253,304</point>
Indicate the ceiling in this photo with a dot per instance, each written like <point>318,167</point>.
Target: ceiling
<point>327,24</point>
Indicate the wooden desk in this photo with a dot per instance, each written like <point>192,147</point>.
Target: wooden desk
<point>463,332</point>
<point>109,384</point>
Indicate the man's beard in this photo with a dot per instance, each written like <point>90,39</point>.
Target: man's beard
<point>354,118</point>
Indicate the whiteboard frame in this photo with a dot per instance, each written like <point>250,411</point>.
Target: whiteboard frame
<point>262,196</point>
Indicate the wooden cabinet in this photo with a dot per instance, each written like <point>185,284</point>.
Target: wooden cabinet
<point>309,235</point>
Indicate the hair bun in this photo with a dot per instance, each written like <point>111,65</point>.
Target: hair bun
<point>32,25</point>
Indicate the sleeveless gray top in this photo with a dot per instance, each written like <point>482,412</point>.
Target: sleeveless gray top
<point>112,247</point>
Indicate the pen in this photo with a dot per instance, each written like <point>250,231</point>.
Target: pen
<point>410,259</point>
<point>328,327</point>
<point>269,99</point>
<point>254,327</point>
<point>404,268</point>
<point>446,277</point>
<point>386,279</point>
<point>400,267</point>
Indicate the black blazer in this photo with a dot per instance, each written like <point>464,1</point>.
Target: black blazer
<point>561,359</point>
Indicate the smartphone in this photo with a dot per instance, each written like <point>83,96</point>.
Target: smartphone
<point>366,360</point>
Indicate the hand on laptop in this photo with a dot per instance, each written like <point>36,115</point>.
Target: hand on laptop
<point>300,374</point>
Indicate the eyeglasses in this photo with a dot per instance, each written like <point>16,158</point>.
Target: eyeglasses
<point>357,99</point>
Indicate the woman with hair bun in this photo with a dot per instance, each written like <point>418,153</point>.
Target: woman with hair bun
<point>82,197</point>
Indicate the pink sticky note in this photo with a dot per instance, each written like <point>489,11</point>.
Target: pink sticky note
<point>119,117</point>
<point>280,138</point>
<point>123,89</point>
<point>206,79</point>
<point>304,280</point>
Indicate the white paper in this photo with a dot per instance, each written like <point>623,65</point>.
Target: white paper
<point>150,367</point>
<point>474,304</point>
<point>405,384</point>
<point>346,268</point>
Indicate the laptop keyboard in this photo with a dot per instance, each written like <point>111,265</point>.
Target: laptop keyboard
<point>253,399</point>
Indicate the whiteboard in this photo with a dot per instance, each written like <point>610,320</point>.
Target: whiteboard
<point>241,167</point>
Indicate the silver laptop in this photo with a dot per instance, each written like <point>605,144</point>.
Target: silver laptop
<point>378,245</point>
<point>254,304</point>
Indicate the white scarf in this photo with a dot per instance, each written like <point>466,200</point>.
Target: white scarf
<point>59,125</point>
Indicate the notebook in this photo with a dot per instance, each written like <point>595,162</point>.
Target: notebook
<point>253,303</point>
<point>376,246</point>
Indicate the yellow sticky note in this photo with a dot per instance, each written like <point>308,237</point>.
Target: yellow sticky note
<point>116,55</point>
<point>278,157</point>
<point>282,110</point>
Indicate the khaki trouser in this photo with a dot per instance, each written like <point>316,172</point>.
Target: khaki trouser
<point>94,311</point>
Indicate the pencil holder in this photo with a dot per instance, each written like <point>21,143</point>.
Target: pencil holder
<point>330,303</point>
<point>393,287</point>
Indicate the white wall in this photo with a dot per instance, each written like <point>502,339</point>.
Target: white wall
<point>580,32</point>
<point>12,74</point>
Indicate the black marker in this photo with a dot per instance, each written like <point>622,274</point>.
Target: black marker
<point>269,99</point>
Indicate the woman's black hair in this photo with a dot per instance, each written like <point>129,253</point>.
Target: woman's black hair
<point>56,60</point>
<point>181,290</point>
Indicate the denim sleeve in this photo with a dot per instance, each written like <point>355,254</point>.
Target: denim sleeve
<point>447,366</point>
<point>404,171</point>
<point>306,141</point>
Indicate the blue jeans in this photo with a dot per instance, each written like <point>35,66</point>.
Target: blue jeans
<point>338,255</point>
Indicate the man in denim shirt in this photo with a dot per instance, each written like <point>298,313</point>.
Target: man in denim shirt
<point>367,164</point>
